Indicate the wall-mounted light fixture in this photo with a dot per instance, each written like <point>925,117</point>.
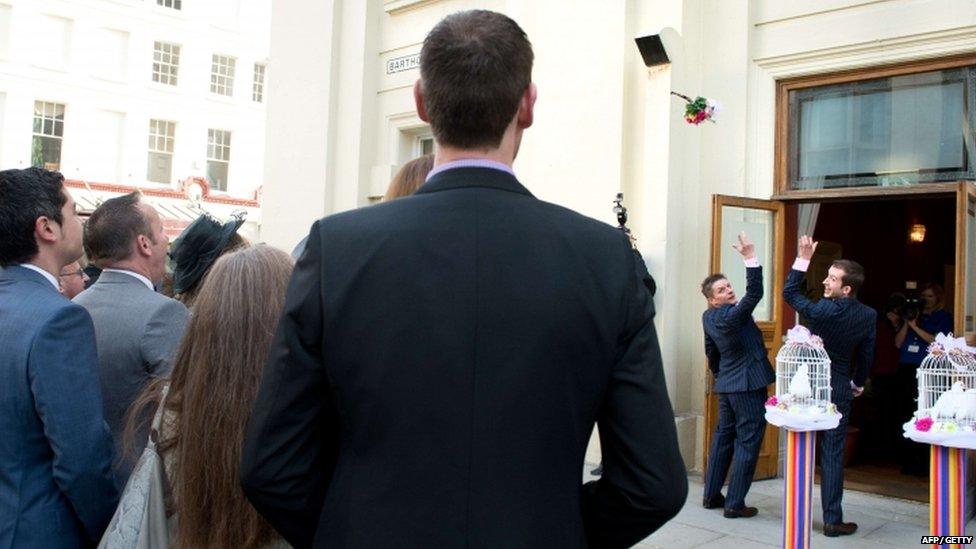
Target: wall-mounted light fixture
<point>652,50</point>
<point>917,234</point>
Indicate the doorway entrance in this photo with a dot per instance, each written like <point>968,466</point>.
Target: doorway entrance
<point>876,228</point>
<point>904,245</point>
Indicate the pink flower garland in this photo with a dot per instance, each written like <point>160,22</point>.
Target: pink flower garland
<point>923,424</point>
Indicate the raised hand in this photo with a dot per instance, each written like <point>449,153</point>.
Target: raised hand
<point>806,247</point>
<point>745,247</point>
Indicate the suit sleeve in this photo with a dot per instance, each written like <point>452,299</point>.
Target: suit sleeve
<point>162,337</point>
<point>63,377</point>
<point>865,353</point>
<point>808,309</point>
<point>714,357</point>
<point>291,442</point>
<point>742,311</point>
<point>644,483</point>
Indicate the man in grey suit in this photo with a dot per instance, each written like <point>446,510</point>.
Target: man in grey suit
<point>136,329</point>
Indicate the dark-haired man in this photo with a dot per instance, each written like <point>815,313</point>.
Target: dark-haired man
<point>455,411</point>
<point>738,360</point>
<point>848,329</point>
<point>56,483</point>
<point>137,329</point>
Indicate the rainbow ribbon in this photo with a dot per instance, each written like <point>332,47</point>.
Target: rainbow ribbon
<point>798,489</point>
<point>947,493</point>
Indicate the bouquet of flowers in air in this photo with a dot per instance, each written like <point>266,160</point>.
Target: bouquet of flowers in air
<point>698,109</point>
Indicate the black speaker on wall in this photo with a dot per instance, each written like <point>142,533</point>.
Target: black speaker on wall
<point>652,50</point>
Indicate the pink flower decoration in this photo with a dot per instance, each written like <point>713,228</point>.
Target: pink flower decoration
<point>698,109</point>
<point>923,424</point>
<point>772,401</point>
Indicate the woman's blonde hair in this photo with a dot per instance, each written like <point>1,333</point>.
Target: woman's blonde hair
<point>214,382</point>
<point>410,177</point>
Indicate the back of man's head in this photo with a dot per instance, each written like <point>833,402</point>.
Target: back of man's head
<point>474,68</point>
<point>112,229</point>
<point>26,195</point>
<point>853,274</point>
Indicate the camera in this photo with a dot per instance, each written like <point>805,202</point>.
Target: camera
<point>621,211</point>
<point>907,308</point>
<point>912,308</point>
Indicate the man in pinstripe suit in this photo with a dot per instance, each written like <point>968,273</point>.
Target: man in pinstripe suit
<point>737,359</point>
<point>848,329</point>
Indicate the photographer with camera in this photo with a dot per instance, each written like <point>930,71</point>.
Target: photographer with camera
<point>916,321</point>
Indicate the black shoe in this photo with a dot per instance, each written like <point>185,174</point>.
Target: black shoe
<point>714,502</point>
<point>839,529</point>
<point>598,471</point>
<point>745,512</point>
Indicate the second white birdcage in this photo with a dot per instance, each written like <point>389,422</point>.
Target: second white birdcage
<point>803,374</point>
<point>947,384</point>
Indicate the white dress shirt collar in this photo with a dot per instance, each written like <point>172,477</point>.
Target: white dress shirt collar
<point>50,277</point>
<point>143,279</point>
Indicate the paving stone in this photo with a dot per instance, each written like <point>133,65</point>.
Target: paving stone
<point>883,522</point>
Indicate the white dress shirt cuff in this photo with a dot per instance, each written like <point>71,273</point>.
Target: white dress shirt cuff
<point>751,262</point>
<point>801,264</point>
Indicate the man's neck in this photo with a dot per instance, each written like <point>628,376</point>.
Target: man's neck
<point>48,263</point>
<point>129,266</point>
<point>445,155</point>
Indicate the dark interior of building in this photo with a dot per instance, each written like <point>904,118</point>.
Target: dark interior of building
<point>877,234</point>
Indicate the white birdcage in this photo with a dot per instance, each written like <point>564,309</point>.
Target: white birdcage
<point>803,373</point>
<point>947,383</point>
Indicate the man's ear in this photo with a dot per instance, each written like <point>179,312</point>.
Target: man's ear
<point>846,290</point>
<point>527,106</point>
<point>418,99</point>
<point>144,245</point>
<point>44,229</point>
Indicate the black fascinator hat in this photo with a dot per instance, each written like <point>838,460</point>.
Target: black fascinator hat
<point>198,247</point>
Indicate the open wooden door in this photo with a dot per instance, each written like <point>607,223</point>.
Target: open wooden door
<point>764,222</point>
<point>965,297</point>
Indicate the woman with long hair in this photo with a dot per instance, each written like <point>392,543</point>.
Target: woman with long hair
<point>214,381</point>
<point>409,178</point>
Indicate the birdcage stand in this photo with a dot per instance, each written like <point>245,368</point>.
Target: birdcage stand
<point>947,493</point>
<point>798,488</point>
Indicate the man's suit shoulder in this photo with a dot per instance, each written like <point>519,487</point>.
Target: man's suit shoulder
<point>144,304</point>
<point>44,305</point>
<point>376,218</point>
<point>581,222</point>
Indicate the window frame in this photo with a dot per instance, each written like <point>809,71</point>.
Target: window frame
<point>783,143</point>
<point>258,83</point>
<point>172,76</point>
<point>222,80</point>
<point>54,124</point>
<point>168,138</point>
<point>176,5</point>
<point>224,148</point>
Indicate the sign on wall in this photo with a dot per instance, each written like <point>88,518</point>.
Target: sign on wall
<point>401,64</point>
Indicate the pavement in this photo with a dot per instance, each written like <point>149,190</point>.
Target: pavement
<point>883,522</point>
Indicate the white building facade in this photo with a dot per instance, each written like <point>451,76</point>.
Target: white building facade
<point>164,96</point>
<point>342,104</point>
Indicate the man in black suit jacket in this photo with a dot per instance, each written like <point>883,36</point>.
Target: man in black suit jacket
<point>442,358</point>
<point>737,358</point>
<point>848,329</point>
